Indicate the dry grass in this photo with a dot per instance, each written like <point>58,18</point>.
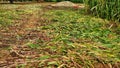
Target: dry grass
<point>57,39</point>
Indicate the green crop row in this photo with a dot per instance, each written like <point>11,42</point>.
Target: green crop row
<point>107,9</point>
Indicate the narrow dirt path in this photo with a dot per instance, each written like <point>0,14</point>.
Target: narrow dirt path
<point>18,35</point>
<point>14,34</point>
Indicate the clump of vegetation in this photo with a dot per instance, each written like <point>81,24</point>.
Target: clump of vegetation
<point>75,25</point>
<point>108,9</point>
<point>74,33</point>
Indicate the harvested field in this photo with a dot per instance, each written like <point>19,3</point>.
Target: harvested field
<point>31,35</point>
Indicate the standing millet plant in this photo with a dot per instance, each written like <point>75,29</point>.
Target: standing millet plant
<point>107,9</point>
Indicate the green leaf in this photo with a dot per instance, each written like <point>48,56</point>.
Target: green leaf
<point>52,63</point>
<point>33,45</point>
<point>44,57</point>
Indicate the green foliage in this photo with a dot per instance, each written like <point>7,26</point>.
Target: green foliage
<point>108,9</point>
<point>44,57</point>
<point>21,66</point>
<point>33,45</point>
<point>74,25</point>
<point>82,34</point>
<point>77,1</point>
<point>6,17</point>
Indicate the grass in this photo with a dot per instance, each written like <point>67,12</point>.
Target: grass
<point>10,13</point>
<point>74,39</point>
<point>82,38</point>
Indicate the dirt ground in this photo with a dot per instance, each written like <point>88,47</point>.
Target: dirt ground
<point>14,38</point>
